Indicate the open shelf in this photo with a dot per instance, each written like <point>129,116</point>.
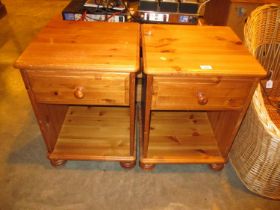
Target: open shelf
<point>94,133</point>
<point>181,137</point>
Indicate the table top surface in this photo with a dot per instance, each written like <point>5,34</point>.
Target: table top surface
<point>79,45</point>
<point>196,50</point>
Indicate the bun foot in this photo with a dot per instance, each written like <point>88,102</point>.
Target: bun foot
<point>128,165</point>
<point>57,163</point>
<point>147,167</point>
<point>217,166</point>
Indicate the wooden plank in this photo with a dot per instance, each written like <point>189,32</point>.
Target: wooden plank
<point>181,137</point>
<point>147,113</point>
<point>94,133</point>
<point>72,45</point>
<point>132,107</point>
<point>183,50</point>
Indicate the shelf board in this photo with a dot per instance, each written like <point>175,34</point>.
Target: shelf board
<point>94,133</point>
<point>182,137</point>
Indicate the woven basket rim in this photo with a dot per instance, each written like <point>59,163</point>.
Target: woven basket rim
<point>247,27</point>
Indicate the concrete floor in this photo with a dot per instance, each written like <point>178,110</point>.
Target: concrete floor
<point>28,182</point>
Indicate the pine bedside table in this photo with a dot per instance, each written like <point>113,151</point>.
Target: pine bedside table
<point>199,83</point>
<point>80,77</point>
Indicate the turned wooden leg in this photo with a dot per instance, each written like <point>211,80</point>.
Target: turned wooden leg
<point>57,163</point>
<point>217,166</point>
<point>128,165</point>
<point>147,167</point>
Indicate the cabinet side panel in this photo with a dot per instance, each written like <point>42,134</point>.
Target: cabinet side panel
<point>225,124</point>
<point>49,117</point>
<point>132,86</point>
<point>147,113</point>
<point>57,114</point>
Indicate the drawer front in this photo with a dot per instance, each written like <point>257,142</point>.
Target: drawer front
<point>199,94</point>
<point>80,88</point>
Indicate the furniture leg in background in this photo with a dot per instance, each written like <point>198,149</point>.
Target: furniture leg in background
<point>3,10</point>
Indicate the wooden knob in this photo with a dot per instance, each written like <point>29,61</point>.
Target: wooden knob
<point>78,93</point>
<point>201,98</point>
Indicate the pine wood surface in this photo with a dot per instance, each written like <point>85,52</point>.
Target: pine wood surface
<point>177,50</point>
<point>172,56</point>
<point>181,93</point>
<point>50,117</point>
<point>70,45</point>
<point>59,87</point>
<point>94,133</point>
<point>182,137</point>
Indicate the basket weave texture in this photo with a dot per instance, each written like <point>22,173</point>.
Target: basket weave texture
<point>255,154</point>
<point>262,37</point>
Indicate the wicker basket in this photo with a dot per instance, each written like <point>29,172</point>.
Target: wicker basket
<point>262,37</point>
<point>255,154</point>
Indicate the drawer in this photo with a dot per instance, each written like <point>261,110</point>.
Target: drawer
<point>79,88</point>
<point>199,94</point>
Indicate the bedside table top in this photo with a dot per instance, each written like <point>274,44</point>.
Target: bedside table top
<point>196,50</point>
<point>79,45</point>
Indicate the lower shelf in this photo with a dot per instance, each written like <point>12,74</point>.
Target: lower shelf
<point>181,137</point>
<point>94,133</point>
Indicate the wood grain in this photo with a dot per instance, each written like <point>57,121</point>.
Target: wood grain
<point>215,98</point>
<point>94,133</point>
<point>181,50</point>
<point>79,63</point>
<point>50,117</point>
<point>147,113</point>
<point>71,45</point>
<point>182,93</point>
<point>97,87</point>
<point>225,124</point>
<point>132,109</point>
<point>182,137</point>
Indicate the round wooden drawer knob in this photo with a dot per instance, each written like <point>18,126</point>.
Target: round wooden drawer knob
<point>201,98</point>
<point>79,93</point>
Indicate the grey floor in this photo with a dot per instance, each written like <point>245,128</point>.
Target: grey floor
<point>28,182</point>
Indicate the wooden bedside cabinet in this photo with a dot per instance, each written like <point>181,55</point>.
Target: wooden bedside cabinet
<point>80,77</point>
<point>199,83</point>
